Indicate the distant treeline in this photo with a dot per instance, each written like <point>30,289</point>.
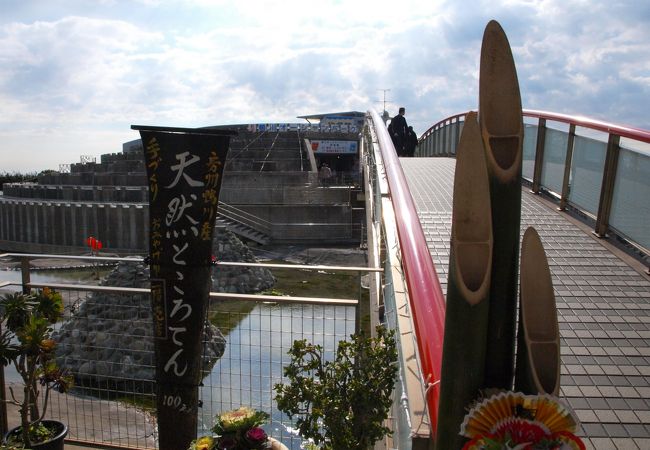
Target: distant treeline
<point>17,177</point>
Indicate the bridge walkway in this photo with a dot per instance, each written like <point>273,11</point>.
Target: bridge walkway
<point>603,301</point>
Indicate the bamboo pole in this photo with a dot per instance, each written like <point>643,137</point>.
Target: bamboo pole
<point>538,344</point>
<point>466,318</point>
<point>501,123</point>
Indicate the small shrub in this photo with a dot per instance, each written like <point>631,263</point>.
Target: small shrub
<point>341,404</point>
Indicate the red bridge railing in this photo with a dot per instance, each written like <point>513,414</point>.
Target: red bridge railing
<point>425,294</point>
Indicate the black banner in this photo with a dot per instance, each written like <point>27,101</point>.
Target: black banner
<point>184,169</point>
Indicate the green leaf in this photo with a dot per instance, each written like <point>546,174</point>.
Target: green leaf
<point>15,311</point>
<point>341,403</point>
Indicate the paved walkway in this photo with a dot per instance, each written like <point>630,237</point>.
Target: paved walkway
<point>603,309</point>
<point>94,420</point>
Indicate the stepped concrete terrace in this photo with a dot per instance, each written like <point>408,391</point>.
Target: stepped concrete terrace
<point>270,185</point>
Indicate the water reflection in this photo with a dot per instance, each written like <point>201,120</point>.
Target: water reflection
<point>84,275</point>
<point>255,356</point>
<point>258,337</point>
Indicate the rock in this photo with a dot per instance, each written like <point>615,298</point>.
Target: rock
<point>86,368</point>
<point>109,338</point>
<point>239,280</point>
<point>103,369</point>
<point>100,338</point>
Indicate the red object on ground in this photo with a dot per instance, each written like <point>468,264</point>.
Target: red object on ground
<point>94,244</point>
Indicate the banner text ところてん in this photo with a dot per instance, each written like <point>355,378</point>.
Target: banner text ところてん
<point>184,170</point>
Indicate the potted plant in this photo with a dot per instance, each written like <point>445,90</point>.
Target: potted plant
<point>341,404</point>
<point>27,344</point>
<point>238,429</point>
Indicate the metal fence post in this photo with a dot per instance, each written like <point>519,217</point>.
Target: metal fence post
<point>25,275</point>
<point>539,155</point>
<point>445,139</point>
<point>456,133</point>
<point>4,427</point>
<point>567,167</point>
<point>607,187</point>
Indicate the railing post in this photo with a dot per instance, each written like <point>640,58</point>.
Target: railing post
<point>4,426</point>
<point>362,312</point>
<point>457,133</point>
<point>434,141</point>
<point>607,187</point>
<point>539,155</point>
<point>567,167</point>
<point>434,148</point>
<point>25,274</point>
<point>444,130</point>
<point>450,137</point>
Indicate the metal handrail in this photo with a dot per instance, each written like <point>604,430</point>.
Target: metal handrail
<point>425,293</point>
<point>620,130</point>
<point>581,121</point>
<point>216,263</point>
<point>614,135</point>
<point>433,127</point>
<point>239,215</point>
<point>222,295</point>
<point>243,149</point>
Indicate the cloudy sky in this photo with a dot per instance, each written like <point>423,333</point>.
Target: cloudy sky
<point>75,74</point>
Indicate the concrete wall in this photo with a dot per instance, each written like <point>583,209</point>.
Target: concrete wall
<point>62,227</point>
<point>135,178</point>
<point>46,225</point>
<point>127,194</point>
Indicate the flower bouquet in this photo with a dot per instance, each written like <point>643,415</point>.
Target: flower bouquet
<point>236,430</point>
<point>514,421</point>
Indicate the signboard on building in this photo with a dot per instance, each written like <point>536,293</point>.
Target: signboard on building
<point>334,147</point>
<point>184,170</point>
<point>345,121</point>
<point>323,127</point>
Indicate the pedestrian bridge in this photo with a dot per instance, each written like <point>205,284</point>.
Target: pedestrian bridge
<point>585,189</point>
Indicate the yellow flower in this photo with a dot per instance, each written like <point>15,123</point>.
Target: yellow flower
<point>231,419</point>
<point>48,345</point>
<point>204,443</point>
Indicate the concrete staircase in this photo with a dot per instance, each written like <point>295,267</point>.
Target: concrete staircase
<point>242,230</point>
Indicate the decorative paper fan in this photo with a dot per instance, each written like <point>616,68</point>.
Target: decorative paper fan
<point>570,440</point>
<point>542,410</point>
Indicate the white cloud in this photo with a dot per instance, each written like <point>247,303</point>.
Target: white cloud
<point>93,72</point>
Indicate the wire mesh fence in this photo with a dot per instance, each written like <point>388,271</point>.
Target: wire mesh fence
<point>258,337</point>
<point>105,341</point>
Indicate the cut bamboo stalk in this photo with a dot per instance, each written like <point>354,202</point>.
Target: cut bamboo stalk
<point>501,123</point>
<point>538,345</point>
<point>466,317</point>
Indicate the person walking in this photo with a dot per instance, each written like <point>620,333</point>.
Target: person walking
<point>324,174</point>
<point>411,142</point>
<point>399,132</point>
